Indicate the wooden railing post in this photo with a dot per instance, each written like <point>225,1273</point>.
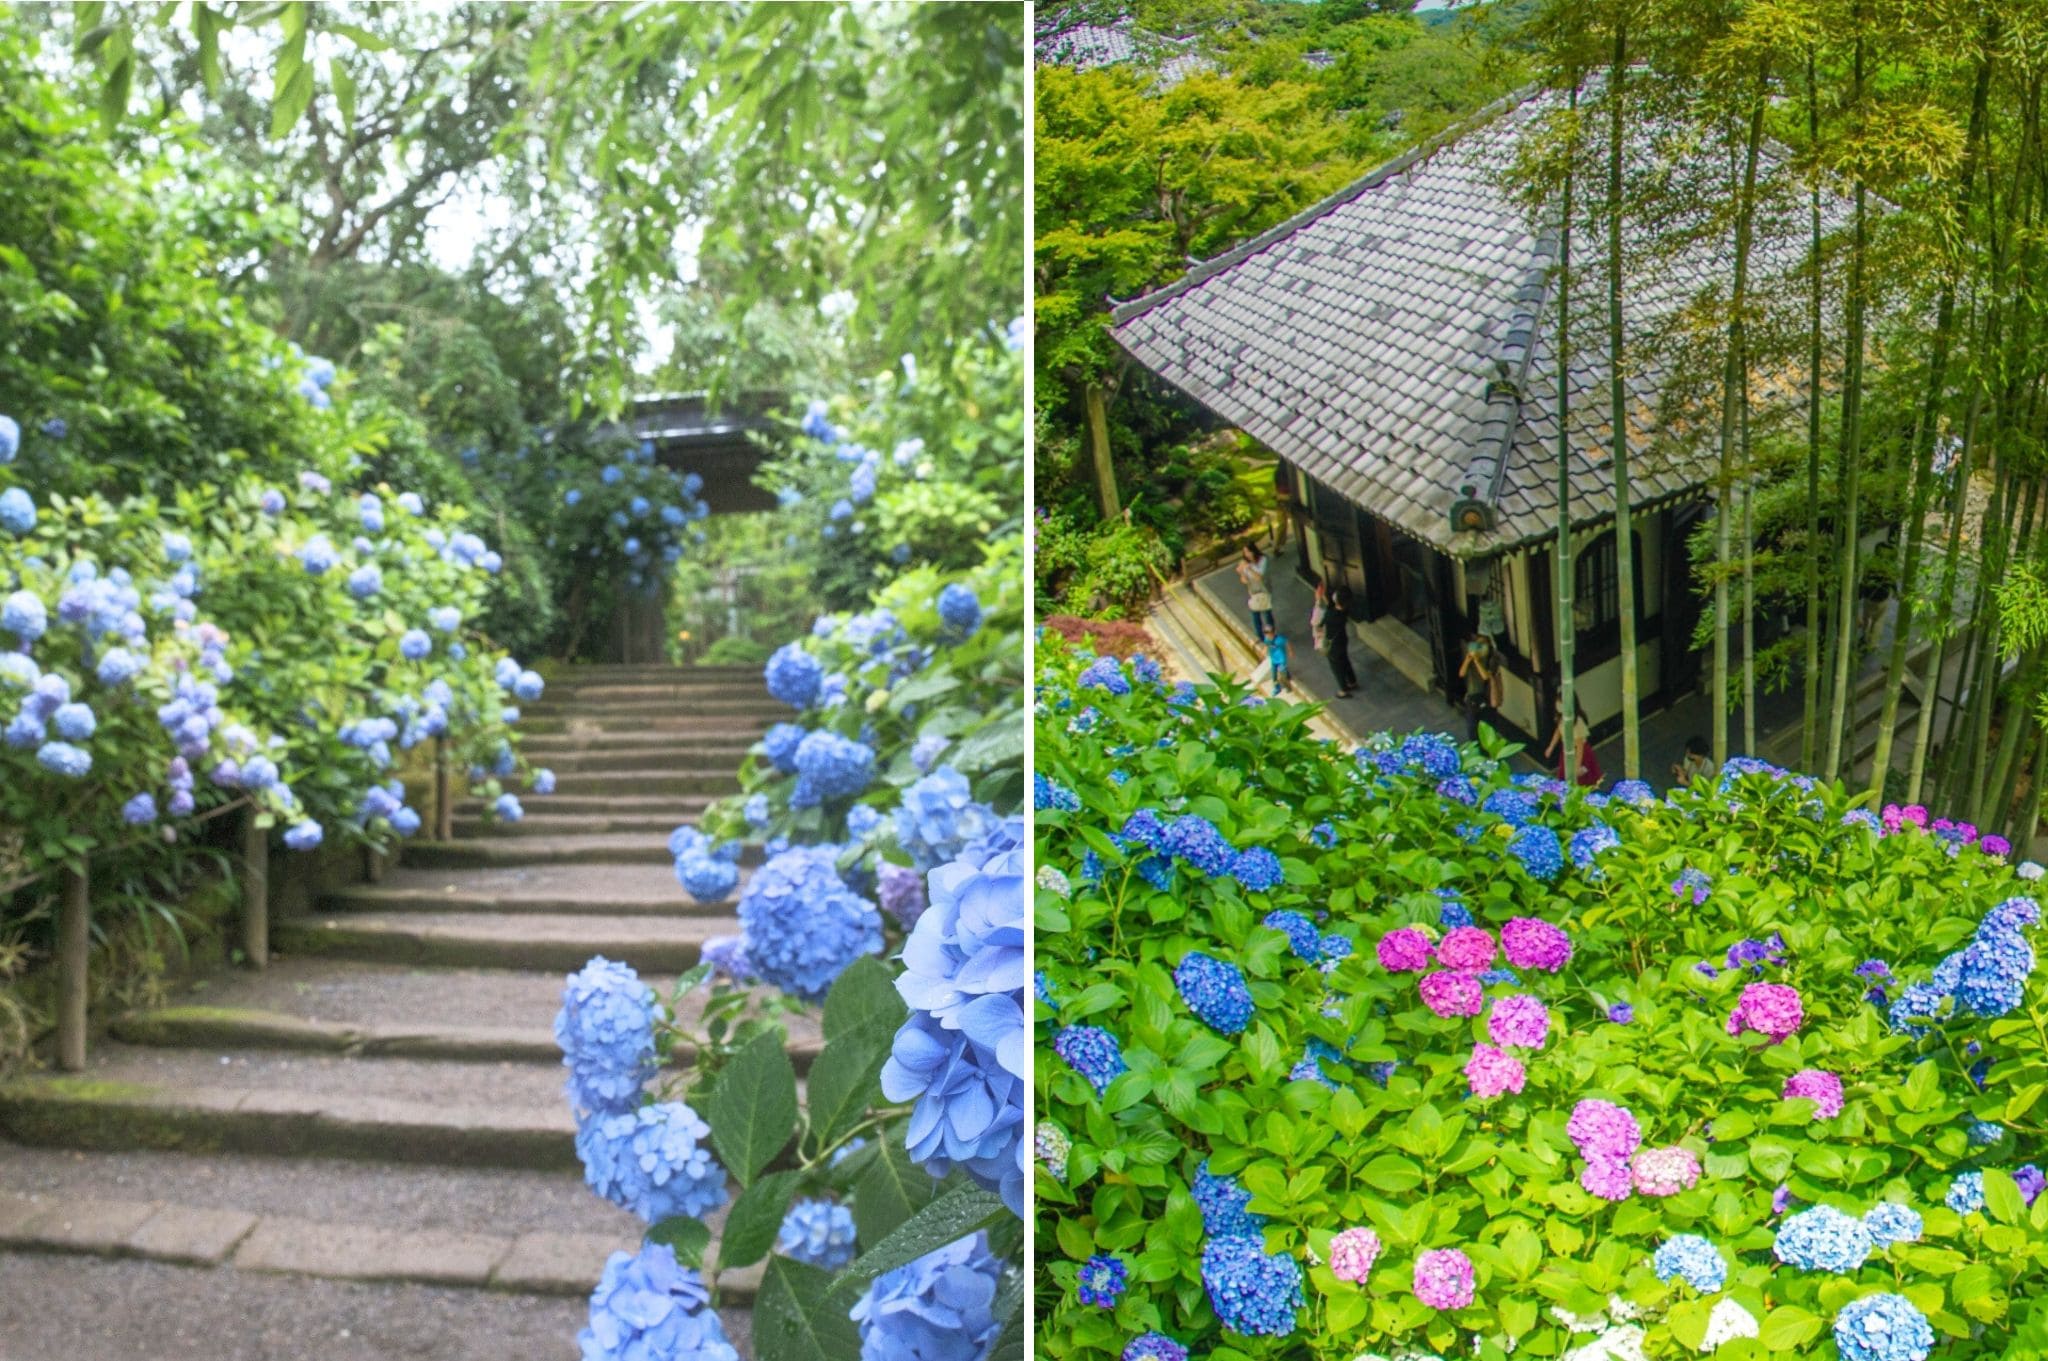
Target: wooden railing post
<point>444,811</point>
<point>74,945</point>
<point>255,889</point>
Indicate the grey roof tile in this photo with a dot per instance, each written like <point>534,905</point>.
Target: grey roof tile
<point>1359,338</point>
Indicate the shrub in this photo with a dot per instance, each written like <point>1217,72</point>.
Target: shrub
<point>1642,1156</point>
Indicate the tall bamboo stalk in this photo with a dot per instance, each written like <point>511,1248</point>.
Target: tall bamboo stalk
<point>1852,442</point>
<point>1624,531</point>
<point>1809,745</point>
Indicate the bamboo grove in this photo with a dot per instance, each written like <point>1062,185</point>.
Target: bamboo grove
<point>1867,398</point>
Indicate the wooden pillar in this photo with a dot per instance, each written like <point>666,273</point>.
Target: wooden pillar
<point>255,889</point>
<point>444,807</point>
<point>1098,451</point>
<point>74,947</point>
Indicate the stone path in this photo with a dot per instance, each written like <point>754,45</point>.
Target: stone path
<point>364,1150</point>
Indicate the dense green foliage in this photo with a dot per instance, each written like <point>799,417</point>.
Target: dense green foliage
<point>1134,181</point>
<point>1340,1101</point>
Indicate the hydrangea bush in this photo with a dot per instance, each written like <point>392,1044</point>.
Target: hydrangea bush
<point>289,643</point>
<point>877,854</point>
<point>1746,1070</point>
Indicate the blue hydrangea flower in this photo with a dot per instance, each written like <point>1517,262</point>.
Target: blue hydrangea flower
<point>1194,838</point>
<point>1254,1293</point>
<point>649,1307</point>
<point>1984,1133</point>
<point>1453,913</point>
<point>1301,933</point>
<point>1692,1259</point>
<point>74,722</point>
<point>10,439</point>
<point>793,676</point>
<point>1215,990</point>
<point>1222,1203</point>
<point>818,1232</point>
<point>1516,807</point>
<point>1966,1193</point>
<point>17,511</point>
<point>1637,792</point>
<point>1258,869</point>
<point>139,811</point>
<point>938,817</point>
<point>779,744</point>
<point>1092,1052</point>
<point>529,686</point>
<point>1049,795</point>
<point>829,767</point>
<point>543,781</point>
<point>118,666</point>
<point>606,1031</point>
<point>654,1160</point>
<point>415,645</point>
<point>317,556</point>
<point>755,810</point>
<point>1323,835</point>
<point>508,808</point>
<point>1889,1222</point>
<point>925,752</point>
<point>1153,1347</point>
<point>940,1307</point>
<point>1823,1239</point>
<point>707,878</point>
<point>962,1056</point>
<point>1993,974</point>
<point>1104,673</point>
<point>24,616</point>
<point>803,924</point>
<point>959,610</point>
<point>1588,842</point>
<point>1100,1281</point>
<point>61,758</point>
<point>1883,1327</point>
<point>1536,847</point>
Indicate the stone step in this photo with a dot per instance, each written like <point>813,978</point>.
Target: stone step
<point>674,760</point>
<point>68,1308</point>
<point>546,822</point>
<point>499,940</point>
<point>645,782</point>
<point>753,691</point>
<point>578,721</point>
<point>727,747</point>
<point>681,807</point>
<point>622,848</point>
<point>707,705</point>
<point>611,888</point>
<point>583,672</point>
<point>330,993</point>
<point>256,1101</point>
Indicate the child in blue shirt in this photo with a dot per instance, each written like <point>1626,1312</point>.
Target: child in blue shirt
<point>1276,654</point>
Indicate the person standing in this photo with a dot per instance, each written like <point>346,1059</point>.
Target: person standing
<point>1479,669</point>
<point>1588,774</point>
<point>1252,569</point>
<point>1330,628</point>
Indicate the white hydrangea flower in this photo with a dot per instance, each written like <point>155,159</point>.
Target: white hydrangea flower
<point>2028,869</point>
<point>1578,1323</point>
<point>1053,881</point>
<point>1620,1310</point>
<point>1619,1342</point>
<point>1728,1322</point>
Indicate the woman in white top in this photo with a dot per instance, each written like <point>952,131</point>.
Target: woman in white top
<point>1251,572</point>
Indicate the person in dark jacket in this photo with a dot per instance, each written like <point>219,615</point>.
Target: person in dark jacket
<point>1331,627</point>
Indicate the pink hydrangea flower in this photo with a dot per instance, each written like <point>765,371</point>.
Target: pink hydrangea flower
<point>1443,1278</point>
<point>1520,1020</point>
<point>1666,1171</point>
<point>1404,951</point>
<point>1450,992</point>
<point>1600,1129</point>
<point>1770,1009</point>
<point>1466,947</point>
<point>1607,1178</point>
<point>1534,944</point>
<point>1493,1071</point>
<point>1821,1087</point>
<point>1352,1254</point>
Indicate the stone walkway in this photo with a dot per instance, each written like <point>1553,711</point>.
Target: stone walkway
<point>364,1150</point>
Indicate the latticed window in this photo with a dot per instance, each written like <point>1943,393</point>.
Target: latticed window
<point>1596,584</point>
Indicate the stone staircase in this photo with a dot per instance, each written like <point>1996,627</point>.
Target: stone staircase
<point>364,1151</point>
